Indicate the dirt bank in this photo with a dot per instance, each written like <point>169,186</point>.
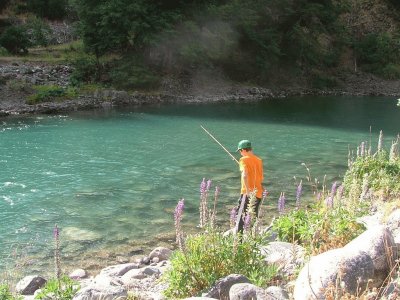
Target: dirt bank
<point>17,79</point>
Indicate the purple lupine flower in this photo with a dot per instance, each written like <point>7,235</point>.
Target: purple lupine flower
<point>203,186</point>
<point>318,196</point>
<point>333,189</point>
<point>179,210</point>
<point>57,256</point>
<point>232,217</point>
<point>299,191</point>
<point>178,213</point>
<point>216,193</point>
<point>247,221</point>
<point>281,203</point>
<point>56,232</point>
<point>340,192</point>
<point>362,150</point>
<point>208,185</point>
<point>265,193</point>
<point>329,201</point>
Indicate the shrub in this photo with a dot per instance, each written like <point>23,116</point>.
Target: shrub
<point>63,289</point>
<point>390,71</point>
<point>5,293</point>
<point>210,256</point>
<point>377,173</point>
<point>39,31</point>
<point>132,74</point>
<point>50,93</point>
<point>15,40</point>
<point>86,70</point>
<point>319,229</point>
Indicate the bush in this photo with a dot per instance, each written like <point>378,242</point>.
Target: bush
<point>63,289</point>
<point>39,32</point>
<point>390,71</point>
<point>86,70</point>
<point>3,51</point>
<point>210,256</point>
<point>5,293</point>
<point>377,173</point>
<point>319,229</point>
<point>51,93</point>
<point>132,74</point>
<point>15,40</point>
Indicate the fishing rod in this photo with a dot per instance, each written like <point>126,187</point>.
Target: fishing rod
<point>233,158</point>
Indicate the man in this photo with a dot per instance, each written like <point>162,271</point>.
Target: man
<point>252,175</point>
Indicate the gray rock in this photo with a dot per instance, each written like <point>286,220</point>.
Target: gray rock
<point>277,293</point>
<point>379,244</point>
<point>101,293</point>
<point>200,298</point>
<point>29,284</point>
<point>393,224</point>
<point>247,291</point>
<point>323,271</point>
<point>140,274</point>
<point>118,270</point>
<point>221,288</point>
<point>78,274</point>
<point>161,253</point>
<point>286,256</point>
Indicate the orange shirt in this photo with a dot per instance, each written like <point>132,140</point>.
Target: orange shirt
<point>253,167</point>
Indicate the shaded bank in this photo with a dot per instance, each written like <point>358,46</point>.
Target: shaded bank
<point>17,80</point>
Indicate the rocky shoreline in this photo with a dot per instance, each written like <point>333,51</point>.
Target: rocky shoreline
<point>367,261</point>
<point>16,80</point>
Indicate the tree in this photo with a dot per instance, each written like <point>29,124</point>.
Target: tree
<point>15,40</point>
<point>121,25</point>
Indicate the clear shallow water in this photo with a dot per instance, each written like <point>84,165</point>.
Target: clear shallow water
<point>111,179</point>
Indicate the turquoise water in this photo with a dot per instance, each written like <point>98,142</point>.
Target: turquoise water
<point>111,179</point>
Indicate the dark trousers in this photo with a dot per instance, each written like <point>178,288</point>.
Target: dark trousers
<point>246,204</point>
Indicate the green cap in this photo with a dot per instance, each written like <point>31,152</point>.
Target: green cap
<point>243,144</point>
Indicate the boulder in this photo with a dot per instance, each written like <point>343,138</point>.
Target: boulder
<point>393,224</point>
<point>378,243</point>
<point>140,274</point>
<point>118,270</point>
<point>221,288</point>
<point>102,293</point>
<point>324,271</point>
<point>277,293</point>
<point>286,256</point>
<point>247,291</point>
<point>161,253</point>
<point>29,284</point>
<point>200,298</point>
<point>78,274</point>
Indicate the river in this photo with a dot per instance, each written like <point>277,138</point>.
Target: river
<point>110,179</point>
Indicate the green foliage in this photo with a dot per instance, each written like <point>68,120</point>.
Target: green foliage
<point>40,31</point>
<point>51,93</point>
<point>132,74</point>
<point>380,54</point>
<point>321,80</point>
<point>378,172</point>
<point>3,51</point>
<point>86,70</point>
<point>15,40</point>
<point>51,9</point>
<point>5,293</point>
<point>210,256</point>
<point>65,289</point>
<point>318,228</point>
<point>121,24</point>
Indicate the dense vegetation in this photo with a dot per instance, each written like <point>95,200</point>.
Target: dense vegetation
<point>259,41</point>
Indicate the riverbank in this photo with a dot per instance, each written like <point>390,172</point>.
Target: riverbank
<point>17,80</point>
